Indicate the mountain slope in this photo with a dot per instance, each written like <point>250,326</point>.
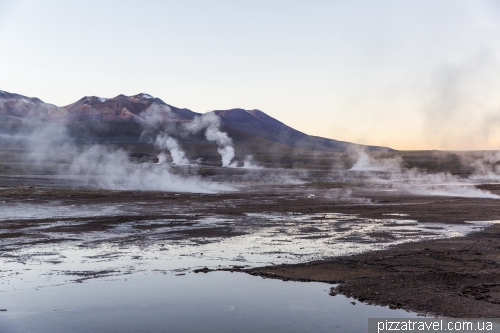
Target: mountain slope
<point>15,107</point>
<point>259,124</point>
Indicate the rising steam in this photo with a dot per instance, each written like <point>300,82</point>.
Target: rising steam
<point>210,123</point>
<point>107,167</point>
<point>164,141</point>
<point>419,182</point>
<point>112,169</point>
<point>157,129</point>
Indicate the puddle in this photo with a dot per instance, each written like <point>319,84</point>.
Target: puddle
<point>396,214</point>
<point>214,302</point>
<point>54,210</point>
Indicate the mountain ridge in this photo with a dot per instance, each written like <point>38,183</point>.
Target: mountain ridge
<point>132,109</point>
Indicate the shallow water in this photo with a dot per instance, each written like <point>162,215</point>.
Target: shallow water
<point>19,211</point>
<point>125,248</point>
<point>131,278</point>
<point>213,302</point>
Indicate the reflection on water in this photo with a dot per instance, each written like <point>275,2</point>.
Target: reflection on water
<point>135,275</point>
<point>131,247</point>
<point>214,302</point>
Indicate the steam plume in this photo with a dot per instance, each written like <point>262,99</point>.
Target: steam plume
<point>156,125</point>
<point>418,182</point>
<point>210,122</point>
<point>164,141</point>
<point>105,166</point>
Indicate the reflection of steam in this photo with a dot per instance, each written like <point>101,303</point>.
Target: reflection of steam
<point>210,122</point>
<point>416,181</point>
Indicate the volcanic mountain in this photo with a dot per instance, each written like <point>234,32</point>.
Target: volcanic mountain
<point>14,107</point>
<point>123,108</point>
<point>119,119</point>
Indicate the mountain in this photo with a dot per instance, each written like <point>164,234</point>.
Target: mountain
<point>259,124</point>
<point>15,107</point>
<point>123,108</point>
<point>119,119</point>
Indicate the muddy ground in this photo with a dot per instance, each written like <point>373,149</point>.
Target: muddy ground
<point>456,277</point>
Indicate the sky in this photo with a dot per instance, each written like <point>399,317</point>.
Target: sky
<point>421,74</point>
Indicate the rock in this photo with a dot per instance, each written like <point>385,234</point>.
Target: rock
<point>202,270</point>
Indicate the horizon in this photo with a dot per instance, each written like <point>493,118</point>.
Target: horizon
<point>410,76</point>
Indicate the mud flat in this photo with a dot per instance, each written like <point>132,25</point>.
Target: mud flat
<point>430,254</point>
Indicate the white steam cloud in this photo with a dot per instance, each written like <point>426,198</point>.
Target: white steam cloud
<point>210,122</point>
<point>415,181</point>
<point>112,169</point>
<point>249,163</point>
<point>106,167</point>
<point>155,123</point>
<point>164,141</point>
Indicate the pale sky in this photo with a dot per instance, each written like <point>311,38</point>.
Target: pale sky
<point>422,74</point>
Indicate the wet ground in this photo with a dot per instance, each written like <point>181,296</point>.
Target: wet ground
<point>60,233</point>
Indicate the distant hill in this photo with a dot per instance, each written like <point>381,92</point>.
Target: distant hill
<point>119,119</point>
<point>15,107</point>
